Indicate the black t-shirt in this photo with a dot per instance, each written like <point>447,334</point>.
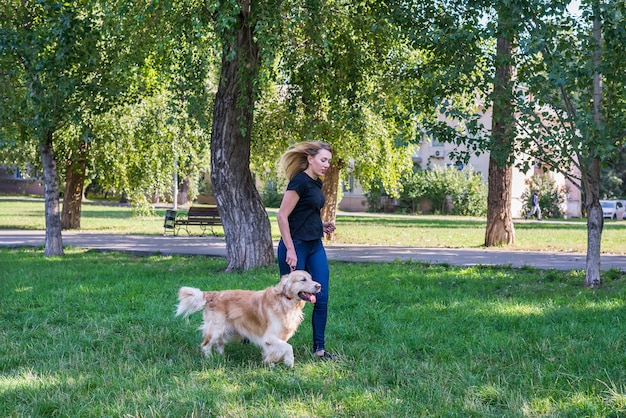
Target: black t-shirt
<point>305,221</point>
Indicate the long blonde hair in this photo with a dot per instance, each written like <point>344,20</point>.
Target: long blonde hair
<point>295,160</point>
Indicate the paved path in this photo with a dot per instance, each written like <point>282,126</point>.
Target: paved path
<point>211,246</point>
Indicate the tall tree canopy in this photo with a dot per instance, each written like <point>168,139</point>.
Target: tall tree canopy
<point>574,119</point>
<point>333,64</point>
<point>360,77</point>
<point>246,31</point>
<point>56,61</point>
<point>75,73</point>
<point>568,99</point>
<point>140,144</point>
<point>344,79</point>
<point>364,78</point>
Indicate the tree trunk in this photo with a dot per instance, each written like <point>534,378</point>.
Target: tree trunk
<point>595,223</point>
<point>183,195</point>
<point>591,176</point>
<point>73,197</point>
<point>54,241</point>
<point>500,229</point>
<point>330,188</point>
<point>246,224</point>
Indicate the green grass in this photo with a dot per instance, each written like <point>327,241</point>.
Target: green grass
<point>93,334</point>
<point>371,229</point>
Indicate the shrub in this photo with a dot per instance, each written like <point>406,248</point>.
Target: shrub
<point>450,191</point>
<point>551,196</point>
<point>454,191</point>
<point>140,205</point>
<point>271,194</point>
<point>271,197</point>
<point>375,197</point>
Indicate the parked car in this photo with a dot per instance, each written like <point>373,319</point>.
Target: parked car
<point>613,209</point>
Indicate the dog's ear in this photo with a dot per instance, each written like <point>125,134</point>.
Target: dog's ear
<point>282,283</point>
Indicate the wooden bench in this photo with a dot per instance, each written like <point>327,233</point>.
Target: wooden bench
<point>206,217</point>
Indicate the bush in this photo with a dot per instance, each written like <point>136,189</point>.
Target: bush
<point>140,205</point>
<point>449,190</point>
<point>551,196</point>
<point>375,197</point>
<point>270,196</point>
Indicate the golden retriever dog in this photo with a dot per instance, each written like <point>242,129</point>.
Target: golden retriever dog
<point>267,318</point>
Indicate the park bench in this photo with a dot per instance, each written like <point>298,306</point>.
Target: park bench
<point>205,217</point>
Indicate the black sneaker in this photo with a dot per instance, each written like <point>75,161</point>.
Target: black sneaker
<point>326,356</point>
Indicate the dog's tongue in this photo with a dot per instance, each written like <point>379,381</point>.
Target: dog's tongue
<point>308,297</point>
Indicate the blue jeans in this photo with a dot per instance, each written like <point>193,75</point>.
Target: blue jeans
<point>312,258</point>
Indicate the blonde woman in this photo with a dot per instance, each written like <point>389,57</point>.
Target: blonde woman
<point>301,227</point>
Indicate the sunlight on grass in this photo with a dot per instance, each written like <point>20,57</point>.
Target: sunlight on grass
<point>27,380</point>
<point>617,400</point>
<point>581,403</point>
<point>604,305</point>
<point>485,395</point>
<point>539,406</point>
<point>615,395</point>
<point>518,309</point>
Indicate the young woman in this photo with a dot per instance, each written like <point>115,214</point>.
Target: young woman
<point>302,229</point>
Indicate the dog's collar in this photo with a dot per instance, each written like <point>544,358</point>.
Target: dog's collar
<point>288,298</point>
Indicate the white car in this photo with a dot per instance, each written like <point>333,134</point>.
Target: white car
<point>613,209</point>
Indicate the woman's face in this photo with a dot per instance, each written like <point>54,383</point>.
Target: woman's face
<point>319,163</point>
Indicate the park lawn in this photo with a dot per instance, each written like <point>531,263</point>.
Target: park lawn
<point>94,334</point>
<point>368,229</point>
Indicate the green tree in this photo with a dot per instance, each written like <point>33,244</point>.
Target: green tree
<point>330,81</point>
<point>353,76</point>
<point>574,118</point>
<point>568,98</point>
<point>245,31</point>
<point>57,60</point>
<point>468,80</point>
<point>494,42</point>
<point>137,147</point>
<point>45,53</point>
<point>349,80</point>
<point>173,88</point>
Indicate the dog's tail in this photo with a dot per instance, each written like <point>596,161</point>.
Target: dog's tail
<point>190,300</point>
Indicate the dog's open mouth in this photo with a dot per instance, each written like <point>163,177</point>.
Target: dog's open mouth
<point>309,297</point>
